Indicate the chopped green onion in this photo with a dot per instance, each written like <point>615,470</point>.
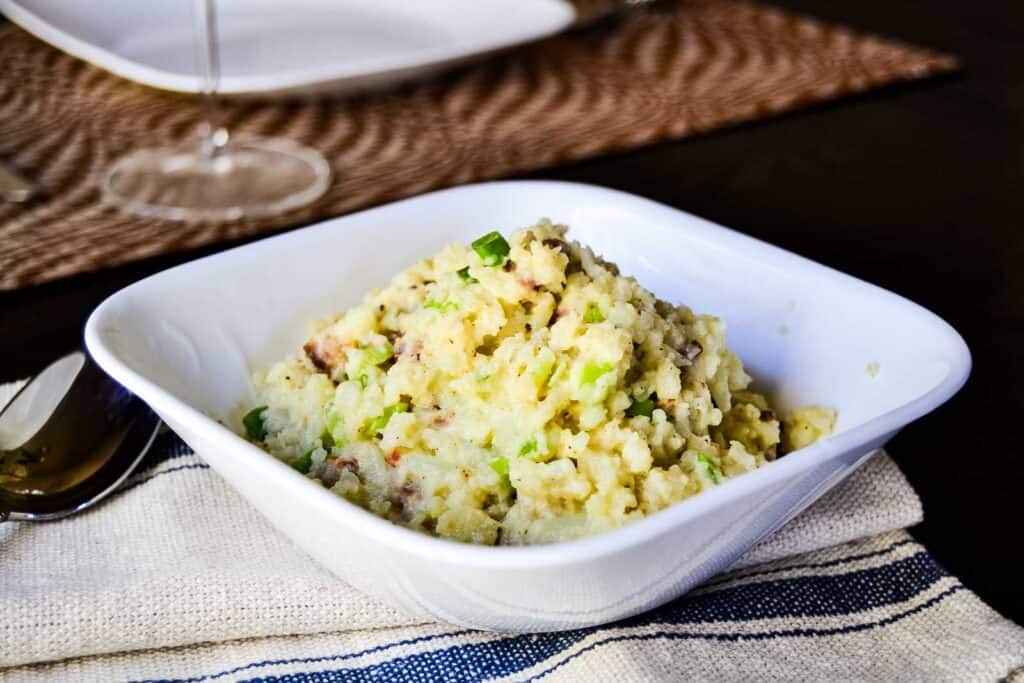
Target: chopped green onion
<point>642,408</point>
<point>593,315</point>
<point>376,355</point>
<point>559,372</point>
<point>543,371</point>
<point>528,447</point>
<point>595,383</point>
<point>363,380</point>
<point>492,248</point>
<point>500,465</point>
<point>335,429</point>
<point>591,372</point>
<point>712,468</point>
<point>376,424</point>
<point>464,275</point>
<point>442,306</point>
<point>255,428</point>
<point>304,461</point>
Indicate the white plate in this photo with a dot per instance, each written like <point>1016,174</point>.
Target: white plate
<point>275,47</point>
<point>186,341</point>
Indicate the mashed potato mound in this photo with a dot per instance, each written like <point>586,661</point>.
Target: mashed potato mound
<point>516,392</point>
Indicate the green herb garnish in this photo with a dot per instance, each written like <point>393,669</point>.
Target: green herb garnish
<point>592,372</point>
<point>528,447</point>
<point>375,355</point>
<point>543,371</point>
<point>464,275</point>
<point>492,248</point>
<point>363,380</point>
<point>442,306</point>
<point>304,461</point>
<point>335,430</point>
<point>255,428</point>
<point>596,380</point>
<point>500,465</point>
<point>376,424</point>
<point>713,472</point>
<point>593,315</point>
<point>642,408</point>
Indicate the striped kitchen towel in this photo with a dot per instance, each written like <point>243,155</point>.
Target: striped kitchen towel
<point>177,578</point>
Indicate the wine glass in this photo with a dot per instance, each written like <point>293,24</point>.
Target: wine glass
<point>220,178</point>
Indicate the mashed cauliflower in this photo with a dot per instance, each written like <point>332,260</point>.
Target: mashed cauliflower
<point>519,391</point>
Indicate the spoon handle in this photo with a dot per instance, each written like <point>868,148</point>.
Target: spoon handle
<point>8,516</point>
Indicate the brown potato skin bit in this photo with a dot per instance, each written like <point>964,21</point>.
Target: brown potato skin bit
<point>528,283</point>
<point>406,347</point>
<point>325,351</point>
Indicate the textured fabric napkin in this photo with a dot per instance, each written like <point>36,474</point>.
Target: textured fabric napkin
<point>176,577</point>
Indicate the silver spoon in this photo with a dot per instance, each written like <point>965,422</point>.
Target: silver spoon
<point>67,439</point>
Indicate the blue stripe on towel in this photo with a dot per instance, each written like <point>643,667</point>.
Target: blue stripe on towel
<point>793,633</point>
<point>311,660</point>
<point>796,597</point>
<point>755,571</point>
<point>138,481</point>
<point>495,659</point>
<point>167,446</point>
<point>805,596</point>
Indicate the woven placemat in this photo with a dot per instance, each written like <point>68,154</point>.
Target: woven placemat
<point>669,70</point>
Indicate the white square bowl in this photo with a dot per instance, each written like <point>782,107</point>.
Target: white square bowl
<point>269,47</point>
<point>186,341</point>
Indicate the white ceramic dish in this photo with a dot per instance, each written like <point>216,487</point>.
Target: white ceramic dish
<point>270,47</point>
<point>187,339</point>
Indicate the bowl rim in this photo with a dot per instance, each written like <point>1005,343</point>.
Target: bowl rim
<point>567,552</point>
<point>551,17</point>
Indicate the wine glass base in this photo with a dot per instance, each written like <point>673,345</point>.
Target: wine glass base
<point>250,178</point>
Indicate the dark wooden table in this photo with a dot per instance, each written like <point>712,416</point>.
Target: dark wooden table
<point>919,189</point>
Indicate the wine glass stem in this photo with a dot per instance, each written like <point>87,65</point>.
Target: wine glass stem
<point>214,134</point>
